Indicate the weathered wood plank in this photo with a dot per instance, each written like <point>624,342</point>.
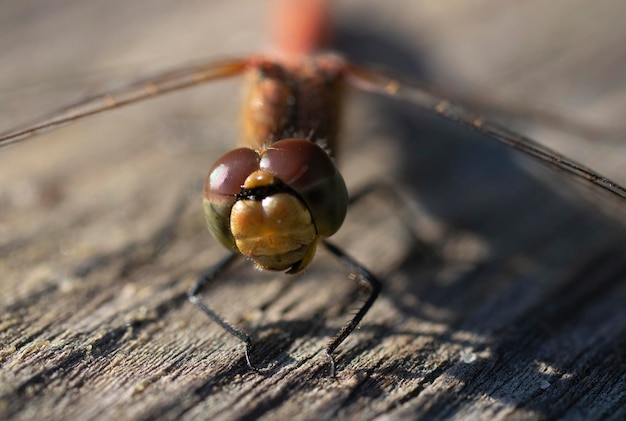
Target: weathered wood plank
<point>502,299</point>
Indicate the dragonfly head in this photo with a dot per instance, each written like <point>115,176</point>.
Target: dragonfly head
<point>274,205</point>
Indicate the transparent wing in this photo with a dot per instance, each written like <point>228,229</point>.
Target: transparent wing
<point>372,80</point>
<point>135,92</point>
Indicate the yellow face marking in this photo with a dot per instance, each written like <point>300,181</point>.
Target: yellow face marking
<point>276,232</point>
<point>259,178</point>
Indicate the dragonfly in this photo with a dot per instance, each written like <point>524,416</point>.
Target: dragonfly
<point>279,195</point>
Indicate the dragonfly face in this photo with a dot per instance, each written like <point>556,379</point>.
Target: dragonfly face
<point>273,205</point>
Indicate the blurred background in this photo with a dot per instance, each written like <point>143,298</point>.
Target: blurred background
<point>555,71</point>
<point>559,65</point>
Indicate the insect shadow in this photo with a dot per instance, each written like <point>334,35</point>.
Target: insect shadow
<point>477,187</point>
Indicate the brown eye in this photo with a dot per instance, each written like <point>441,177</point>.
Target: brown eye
<point>230,171</point>
<point>222,184</point>
<point>310,172</point>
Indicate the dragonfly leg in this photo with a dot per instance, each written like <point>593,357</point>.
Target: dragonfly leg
<point>194,296</point>
<point>364,277</point>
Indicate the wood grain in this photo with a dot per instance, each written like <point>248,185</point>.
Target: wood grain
<point>502,297</point>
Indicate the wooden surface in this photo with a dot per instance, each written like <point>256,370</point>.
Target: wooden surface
<point>502,298</point>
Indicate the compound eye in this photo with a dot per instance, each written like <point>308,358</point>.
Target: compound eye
<point>230,172</point>
<point>299,163</point>
<point>221,187</point>
<point>309,171</point>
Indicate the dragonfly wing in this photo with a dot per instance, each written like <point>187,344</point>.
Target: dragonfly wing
<point>371,80</point>
<point>138,91</point>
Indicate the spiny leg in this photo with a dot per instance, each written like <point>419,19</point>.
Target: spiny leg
<point>365,277</point>
<point>194,297</point>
